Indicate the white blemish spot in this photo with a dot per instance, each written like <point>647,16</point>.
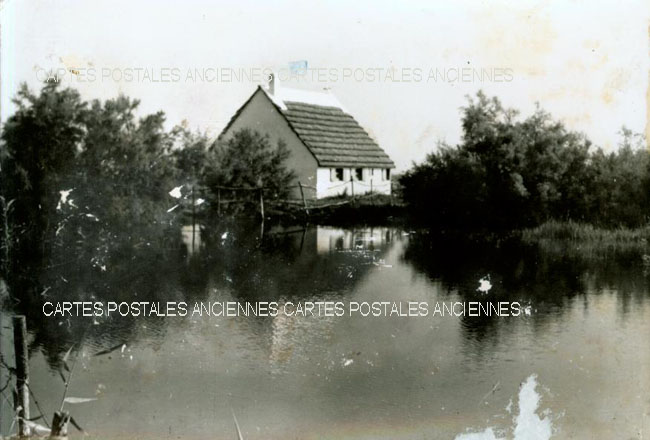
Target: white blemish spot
<point>64,199</point>
<point>484,285</point>
<point>488,434</point>
<point>528,425</point>
<point>176,192</point>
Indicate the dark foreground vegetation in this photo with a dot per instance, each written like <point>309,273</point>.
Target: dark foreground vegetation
<point>82,174</point>
<point>509,172</point>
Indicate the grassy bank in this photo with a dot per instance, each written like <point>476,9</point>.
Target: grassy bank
<point>582,232</point>
<point>572,237</point>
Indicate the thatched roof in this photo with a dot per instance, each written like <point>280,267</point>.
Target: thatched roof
<point>328,131</point>
<point>334,137</point>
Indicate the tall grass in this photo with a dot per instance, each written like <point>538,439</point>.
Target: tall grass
<point>586,239</point>
<point>573,231</point>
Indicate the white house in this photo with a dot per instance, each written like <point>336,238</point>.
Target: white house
<point>330,152</point>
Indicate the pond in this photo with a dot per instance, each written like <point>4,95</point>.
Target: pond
<point>575,363</point>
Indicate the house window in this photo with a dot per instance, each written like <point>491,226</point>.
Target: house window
<point>386,173</point>
<point>336,174</point>
<point>358,173</point>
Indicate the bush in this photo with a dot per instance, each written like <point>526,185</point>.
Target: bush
<point>508,174</point>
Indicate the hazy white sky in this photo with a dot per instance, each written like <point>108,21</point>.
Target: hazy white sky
<point>584,61</point>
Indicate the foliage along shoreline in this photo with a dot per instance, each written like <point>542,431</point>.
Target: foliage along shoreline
<point>512,173</point>
<point>79,174</point>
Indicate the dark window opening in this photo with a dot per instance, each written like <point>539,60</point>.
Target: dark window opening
<point>339,173</point>
<point>358,172</point>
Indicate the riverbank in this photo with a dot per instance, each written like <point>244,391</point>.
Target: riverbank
<point>582,232</point>
<point>568,238</point>
<point>366,209</point>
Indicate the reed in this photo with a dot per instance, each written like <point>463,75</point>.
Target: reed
<point>573,238</point>
<point>574,231</point>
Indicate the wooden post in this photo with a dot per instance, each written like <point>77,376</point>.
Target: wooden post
<point>193,219</point>
<point>2,401</point>
<point>262,230</point>
<point>371,185</point>
<point>262,204</point>
<point>60,425</point>
<point>352,183</point>
<point>302,194</point>
<point>6,241</point>
<point>22,373</point>
<point>219,202</point>
<point>302,239</point>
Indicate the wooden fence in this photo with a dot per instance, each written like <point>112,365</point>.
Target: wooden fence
<point>230,195</point>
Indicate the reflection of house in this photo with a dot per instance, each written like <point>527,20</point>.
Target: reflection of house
<point>191,235</point>
<point>300,265</point>
<point>330,152</point>
<point>332,239</point>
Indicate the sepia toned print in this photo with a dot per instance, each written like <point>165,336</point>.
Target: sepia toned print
<point>371,220</point>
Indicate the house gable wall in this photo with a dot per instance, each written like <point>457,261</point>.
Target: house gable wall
<point>261,115</point>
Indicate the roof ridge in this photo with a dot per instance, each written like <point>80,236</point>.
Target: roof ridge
<point>332,139</point>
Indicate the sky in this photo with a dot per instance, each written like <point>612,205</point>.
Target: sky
<point>403,69</point>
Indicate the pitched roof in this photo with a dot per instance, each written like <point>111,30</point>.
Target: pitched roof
<point>330,133</point>
<point>334,137</point>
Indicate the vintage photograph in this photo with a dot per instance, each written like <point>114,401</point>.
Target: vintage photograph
<point>373,220</point>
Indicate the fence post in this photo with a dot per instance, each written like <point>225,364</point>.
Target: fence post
<point>6,239</point>
<point>1,376</point>
<point>352,184</point>
<point>60,424</point>
<point>219,201</point>
<point>371,185</point>
<point>193,219</point>
<point>302,194</point>
<point>262,203</point>
<point>22,373</point>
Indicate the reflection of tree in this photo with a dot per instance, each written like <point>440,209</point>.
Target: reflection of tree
<point>543,277</point>
<point>151,264</point>
<point>140,266</point>
<point>286,262</point>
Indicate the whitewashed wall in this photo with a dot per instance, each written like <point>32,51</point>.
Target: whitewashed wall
<point>373,181</point>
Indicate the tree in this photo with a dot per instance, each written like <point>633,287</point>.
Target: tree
<point>192,155</point>
<point>448,188</point>
<point>125,164</point>
<point>619,183</point>
<point>80,172</point>
<point>509,173</point>
<point>39,144</point>
<point>248,160</point>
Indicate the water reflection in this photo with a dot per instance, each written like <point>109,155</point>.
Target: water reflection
<point>191,238</point>
<point>343,377</point>
<point>333,239</point>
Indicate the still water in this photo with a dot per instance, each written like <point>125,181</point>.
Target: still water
<point>577,363</point>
